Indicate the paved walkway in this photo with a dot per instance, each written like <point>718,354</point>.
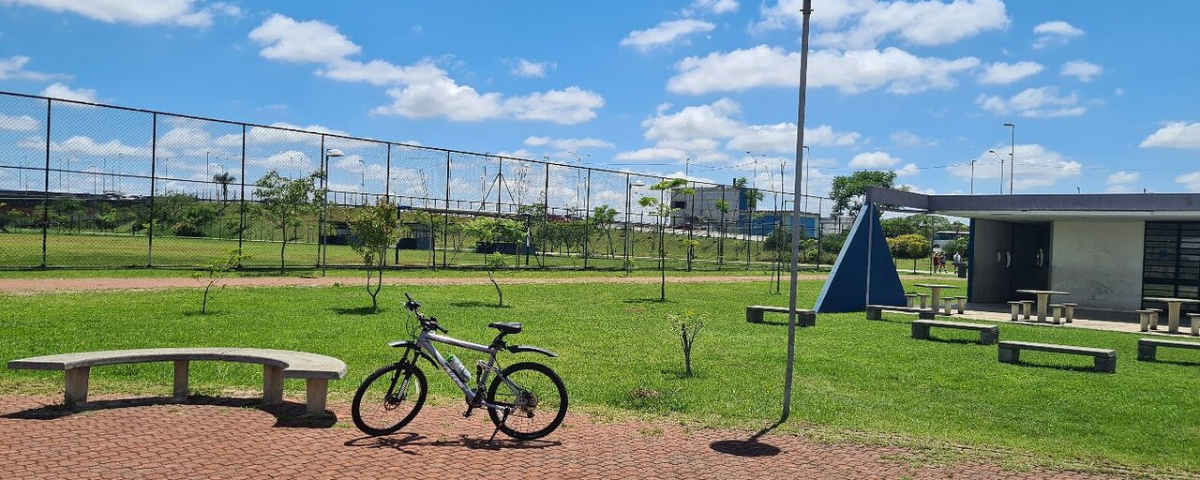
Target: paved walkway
<point>229,438</point>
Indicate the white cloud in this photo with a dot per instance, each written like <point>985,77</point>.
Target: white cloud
<point>287,40</point>
<point>697,121</point>
<point>873,160</point>
<point>1055,33</point>
<point>905,138</point>
<point>138,12</point>
<point>715,6</point>
<point>1190,181</point>
<point>652,154</point>
<point>1080,69</point>
<point>920,23</point>
<point>1175,135</point>
<point>567,143</point>
<point>58,90</point>
<point>526,68</point>
<point>665,34</point>
<point>1123,178</point>
<point>1036,167</point>
<point>781,138</point>
<point>908,170</point>
<point>14,68</point>
<point>83,145</point>
<point>850,71</point>
<point>1001,73</point>
<point>23,123</point>
<point>1034,102</point>
<point>421,90</point>
<point>285,162</point>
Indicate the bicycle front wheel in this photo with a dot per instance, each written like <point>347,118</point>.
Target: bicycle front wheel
<point>388,399</point>
<point>535,396</point>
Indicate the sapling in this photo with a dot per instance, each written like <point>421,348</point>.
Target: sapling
<point>687,326</point>
<point>216,270</point>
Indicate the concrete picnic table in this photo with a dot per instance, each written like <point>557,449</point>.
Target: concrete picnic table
<point>1173,305</point>
<point>1043,300</point>
<point>935,296</point>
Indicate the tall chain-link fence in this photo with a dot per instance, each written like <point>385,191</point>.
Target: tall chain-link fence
<point>94,186</point>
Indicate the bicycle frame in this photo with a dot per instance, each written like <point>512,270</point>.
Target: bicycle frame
<point>474,397</point>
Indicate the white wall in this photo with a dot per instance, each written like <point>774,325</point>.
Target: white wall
<point>1100,263</point>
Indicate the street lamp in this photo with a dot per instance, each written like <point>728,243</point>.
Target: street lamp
<point>329,153</point>
<point>807,163</point>
<point>1012,159</point>
<point>998,157</point>
<point>972,176</point>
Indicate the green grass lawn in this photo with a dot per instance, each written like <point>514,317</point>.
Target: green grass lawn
<point>616,348</point>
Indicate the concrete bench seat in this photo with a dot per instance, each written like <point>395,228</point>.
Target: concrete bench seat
<point>1195,317</point>
<point>1148,347</point>
<point>1025,306</point>
<point>1057,312</point>
<point>1069,307</point>
<point>316,369</point>
<point>804,318</point>
<point>1149,318</point>
<point>1105,359</point>
<point>910,299</point>
<point>962,303</point>
<point>875,312</point>
<point>988,334</point>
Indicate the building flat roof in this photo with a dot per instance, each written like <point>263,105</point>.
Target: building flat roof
<point>1044,207</point>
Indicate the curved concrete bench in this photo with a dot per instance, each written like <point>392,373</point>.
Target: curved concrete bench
<point>316,369</point>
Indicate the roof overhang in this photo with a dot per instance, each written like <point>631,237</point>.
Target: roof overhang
<point>1034,208</point>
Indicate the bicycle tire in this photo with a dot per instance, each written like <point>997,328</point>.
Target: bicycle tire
<point>405,374</point>
<point>554,403</point>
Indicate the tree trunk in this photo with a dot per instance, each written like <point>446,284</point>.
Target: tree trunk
<point>497,285</point>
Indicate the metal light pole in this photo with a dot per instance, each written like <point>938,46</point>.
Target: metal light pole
<point>1012,159</point>
<point>329,153</point>
<point>998,157</point>
<point>972,176</point>
<point>806,178</point>
<point>791,348</point>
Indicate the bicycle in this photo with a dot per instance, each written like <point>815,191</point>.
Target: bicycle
<point>525,393</point>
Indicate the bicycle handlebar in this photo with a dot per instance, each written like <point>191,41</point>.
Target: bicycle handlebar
<point>428,323</point>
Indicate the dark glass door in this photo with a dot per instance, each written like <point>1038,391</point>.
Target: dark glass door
<point>1030,267</point>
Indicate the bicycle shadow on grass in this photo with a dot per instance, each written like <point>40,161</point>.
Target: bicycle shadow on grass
<point>750,447</point>
<point>287,414</point>
<point>407,442</point>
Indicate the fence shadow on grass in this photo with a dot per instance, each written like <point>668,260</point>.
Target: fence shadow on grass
<point>477,303</point>
<point>287,414</point>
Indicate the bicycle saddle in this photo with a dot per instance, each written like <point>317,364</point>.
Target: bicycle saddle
<point>506,327</point>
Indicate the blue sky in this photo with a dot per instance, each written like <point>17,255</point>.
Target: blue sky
<point>1104,95</point>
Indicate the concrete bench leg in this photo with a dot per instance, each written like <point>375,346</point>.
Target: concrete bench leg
<point>806,319</point>
<point>1015,310</point>
<point>1196,326</point>
<point>1154,321</point>
<point>949,304</point>
<point>1147,352</point>
<point>272,385</point>
<point>754,316</point>
<point>962,305</point>
<point>1055,314</point>
<point>1026,309</point>
<point>315,393</point>
<point>77,386</point>
<point>1106,364</point>
<point>924,300</point>
<point>989,337</point>
<point>180,392</point>
<point>920,332</point>
<point>874,314</point>
<point>1009,355</point>
<point>1144,319</point>
<point>910,299</point>
<point>1070,313</point>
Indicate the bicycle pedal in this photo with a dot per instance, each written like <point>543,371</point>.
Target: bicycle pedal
<point>467,414</point>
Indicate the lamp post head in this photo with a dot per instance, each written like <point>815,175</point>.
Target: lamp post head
<point>1010,125</point>
<point>637,183</point>
<point>333,152</point>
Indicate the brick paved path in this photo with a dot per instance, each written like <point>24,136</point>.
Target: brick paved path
<point>229,438</point>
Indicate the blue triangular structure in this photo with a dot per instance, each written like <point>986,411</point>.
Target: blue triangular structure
<point>864,273</point>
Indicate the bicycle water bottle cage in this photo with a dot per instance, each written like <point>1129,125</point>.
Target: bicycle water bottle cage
<point>506,328</point>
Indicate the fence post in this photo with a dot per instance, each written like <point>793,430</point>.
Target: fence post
<point>446,216</point>
<point>46,192</point>
<point>387,175</point>
<point>587,219</point>
<point>242,201</point>
<point>322,248</point>
<point>153,188</point>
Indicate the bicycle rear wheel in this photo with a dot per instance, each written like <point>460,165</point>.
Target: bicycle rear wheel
<point>388,399</point>
<point>536,397</point>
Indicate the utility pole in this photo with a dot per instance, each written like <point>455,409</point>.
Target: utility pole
<point>791,348</point>
<point>1012,159</point>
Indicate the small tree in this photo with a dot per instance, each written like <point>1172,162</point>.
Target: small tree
<point>224,179</point>
<point>603,218</point>
<point>848,192</point>
<point>663,211</point>
<point>216,270</point>
<point>493,261</point>
<point>687,326</point>
<point>911,246</point>
<point>375,230</point>
<point>283,201</point>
